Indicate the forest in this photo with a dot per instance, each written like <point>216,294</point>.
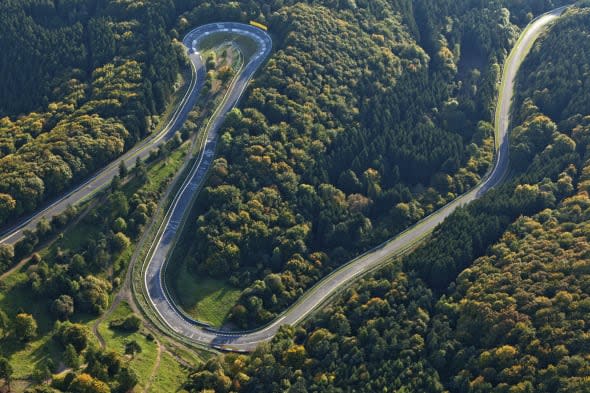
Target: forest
<point>368,117</point>
<point>496,302</point>
<point>72,281</point>
<point>82,81</point>
<point>62,325</point>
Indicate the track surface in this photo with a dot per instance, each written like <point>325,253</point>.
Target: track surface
<point>155,265</point>
<point>246,341</point>
<point>105,176</point>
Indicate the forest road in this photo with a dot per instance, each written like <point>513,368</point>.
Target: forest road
<point>104,177</point>
<point>243,341</point>
<point>159,300</point>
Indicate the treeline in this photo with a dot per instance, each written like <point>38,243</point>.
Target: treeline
<point>368,117</point>
<point>93,72</point>
<point>550,88</point>
<point>373,340</point>
<point>47,43</point>
<point>518,307</point>
<point>76,275</point>
<point>510,321</point>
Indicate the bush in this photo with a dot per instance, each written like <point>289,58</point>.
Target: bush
<point>120,242</point>
<point>72,334</point>
<point>63,307</point>
<point>25,327</point>
<point>130,324</point>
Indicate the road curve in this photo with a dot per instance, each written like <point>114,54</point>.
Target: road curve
<point>195,332</point>
<point>105,176</point>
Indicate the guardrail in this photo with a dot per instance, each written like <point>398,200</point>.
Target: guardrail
<point>486,182</point>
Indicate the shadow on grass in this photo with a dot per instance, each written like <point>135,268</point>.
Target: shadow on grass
<point>204,298</point>
<point>49,349</point>
<point>18,298</point>
<point>30,356</point>
<point>10,345</point>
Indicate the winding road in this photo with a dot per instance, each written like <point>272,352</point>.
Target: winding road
<point>194,331</point>
<point>155,290</point>
<point>104,177</point>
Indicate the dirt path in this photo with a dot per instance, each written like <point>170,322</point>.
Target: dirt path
<point>13,269</point>
<point>155,369</point>
<point>100,320</point>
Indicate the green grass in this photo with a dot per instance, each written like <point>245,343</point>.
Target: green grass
<point>170,376</point>
<point>158,172</point>
<point>15,297</point>
<point>205,299</point>
<point>15,294</point>
<point>247,45</point>
<point>25,358</point>
<point>181,86</point>
<point>191,355</point>
<point>162,171</point>
<point>75,236</point>
<point>143,362</point>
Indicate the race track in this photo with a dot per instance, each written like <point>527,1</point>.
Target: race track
<point>196,332</point>
<point>155,291</point>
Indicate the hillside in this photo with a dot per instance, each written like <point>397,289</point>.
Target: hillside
<point>365,120</point>
<point>508,316</point>
<point>80,81</point>
<point>367,116</point>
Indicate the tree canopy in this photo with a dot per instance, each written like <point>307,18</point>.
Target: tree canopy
<point>79,85</point>
<point>368,117</point>
<point>495,302</point>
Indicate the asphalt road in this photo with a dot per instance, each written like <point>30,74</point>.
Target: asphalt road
<point>194,331</point>
<point>103,178</point>
<point>164,242</point>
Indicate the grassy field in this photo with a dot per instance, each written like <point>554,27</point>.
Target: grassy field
<point>164,170</point>
<point>247,45</point>
<point>164,374</point>
<point>15,296</point>
<point>25,358</point>
<point>170,375</point>
<point>203,298</point>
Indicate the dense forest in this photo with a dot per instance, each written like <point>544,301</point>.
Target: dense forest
<point>80,81</point>
<point>368,117</point>
<point>496,302</point>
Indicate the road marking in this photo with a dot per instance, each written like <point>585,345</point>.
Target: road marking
<point>354,268</point>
